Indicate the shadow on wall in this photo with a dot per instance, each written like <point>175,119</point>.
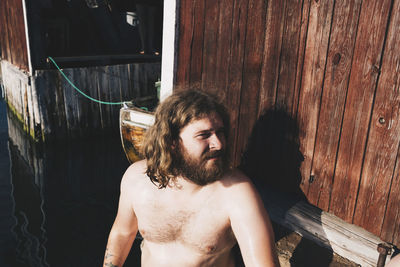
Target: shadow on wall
<point>273,159</point>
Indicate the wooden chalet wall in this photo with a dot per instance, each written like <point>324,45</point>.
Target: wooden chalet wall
<point>13,44</point>
<point>327,73</point>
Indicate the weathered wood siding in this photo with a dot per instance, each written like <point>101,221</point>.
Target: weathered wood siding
<point>52,109</point>
<point>328,72</point>
<point>13,43</point>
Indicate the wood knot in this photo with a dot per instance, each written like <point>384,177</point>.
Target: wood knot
<point>336,58</point>
<point>376,69</point>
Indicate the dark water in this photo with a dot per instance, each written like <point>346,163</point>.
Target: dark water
<point>57,202</point>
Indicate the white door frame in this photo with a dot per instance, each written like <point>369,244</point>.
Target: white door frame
<point>28,46</point>
<point>169,47</point>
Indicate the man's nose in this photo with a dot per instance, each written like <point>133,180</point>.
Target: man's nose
<point>216,143</point>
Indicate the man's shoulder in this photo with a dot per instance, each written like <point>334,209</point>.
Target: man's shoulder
<point>235,178</point>
<point>135,174</point>
<point>139,167</point>
<point>239,193</point>
<point>236,183</point>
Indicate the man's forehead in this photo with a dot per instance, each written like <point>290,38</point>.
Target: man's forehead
<point>208,121</point>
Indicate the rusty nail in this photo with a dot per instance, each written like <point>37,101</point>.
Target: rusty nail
<point>384,249</point>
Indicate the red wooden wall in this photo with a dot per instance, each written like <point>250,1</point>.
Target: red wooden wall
<point>333,68</point>
<point>13,44</point>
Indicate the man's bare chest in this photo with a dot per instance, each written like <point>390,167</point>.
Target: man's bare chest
<point>203,226</point>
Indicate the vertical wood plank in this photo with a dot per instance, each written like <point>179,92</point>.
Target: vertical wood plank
<point>224,41</point>
<point>66,89</point>
<point>4,41</point>
<point>286,100</point>
<point>289,56</point>
<point>16,33</point>
<point>124,83</point>
<point>301,53</point>
<point>13,40</point>
<point>140,87</point>
<point>75,98</point>
<point>60,115</point>
<point>311,87</point>
<point>69,101</point>
<point>36,111</point>
<point>272,50</point>
<point>196,56</point>
<point>8,10</point>
<point>86,107</point>
<point>99,82</point>
<point>141,79</point>
<point>235,71</point>
<point>341,48</point>
<point>30,110</point>
<point>186,31</point>
<point>20,42</point>
<point>2,29</point>
<point>383,137</point>
<point>132,80</point>
<point>110,90</point>
<point>364,74</point>
<point>210,45</point>
<point>8,14</point>
<point>95,115</point>
<point>105,94</point>
<point>131,87</point>
<point>114,91</point>
<point>44,98</point>
<point>79,100</point>
<point>136,79</point>
<point>253,59</point>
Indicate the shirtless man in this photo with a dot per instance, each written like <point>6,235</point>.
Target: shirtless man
<point>187,203</point>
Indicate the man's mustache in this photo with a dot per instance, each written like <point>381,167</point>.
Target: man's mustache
<point>214,154</point>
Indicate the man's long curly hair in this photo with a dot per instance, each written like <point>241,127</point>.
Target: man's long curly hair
<point>161,139</point>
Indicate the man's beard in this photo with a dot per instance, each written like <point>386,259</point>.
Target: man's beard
<point>201,170</point>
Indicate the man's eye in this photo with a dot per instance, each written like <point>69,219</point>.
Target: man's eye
<point>204,135</point>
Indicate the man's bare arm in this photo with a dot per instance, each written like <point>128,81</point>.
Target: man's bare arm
<point>251,224</point>
<point>124,229</point>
